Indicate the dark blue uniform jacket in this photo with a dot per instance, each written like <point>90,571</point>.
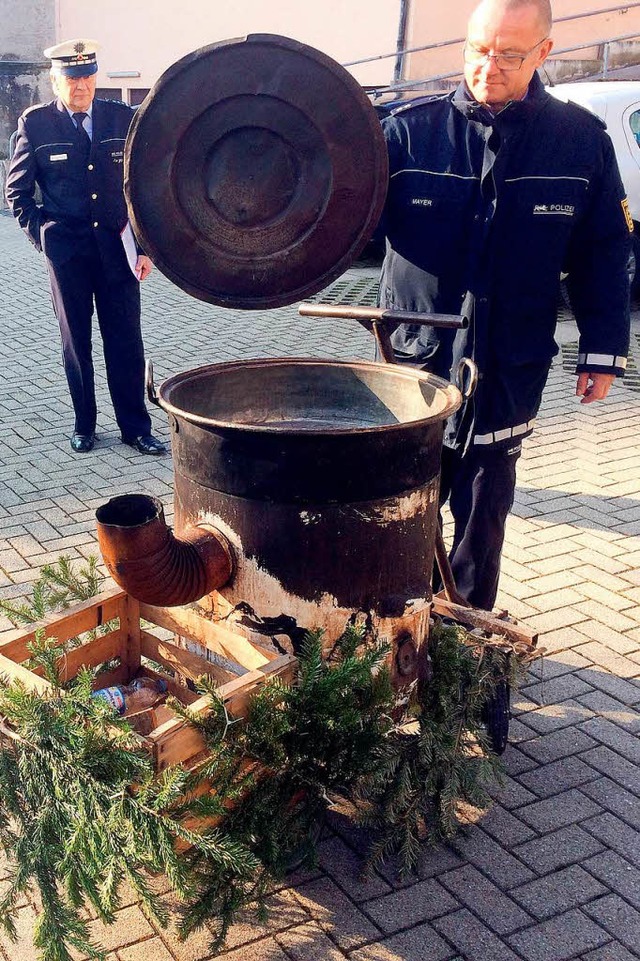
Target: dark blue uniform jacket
<point>80,196</point>
<point>483,214</point>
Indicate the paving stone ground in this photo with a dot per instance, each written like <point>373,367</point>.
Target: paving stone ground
<point>552,871</point>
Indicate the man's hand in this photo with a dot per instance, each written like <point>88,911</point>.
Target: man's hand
<point>143,267</point>
<point>593,386</point>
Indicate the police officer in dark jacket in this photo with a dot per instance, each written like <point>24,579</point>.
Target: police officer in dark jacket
<point>494,191</point>
<point>73,148</point>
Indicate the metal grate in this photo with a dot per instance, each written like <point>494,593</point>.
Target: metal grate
<point>364,291</point>
<point>350,290</point>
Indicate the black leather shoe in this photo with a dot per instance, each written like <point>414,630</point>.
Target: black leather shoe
<point>147,444</point>
<point>82,443</point>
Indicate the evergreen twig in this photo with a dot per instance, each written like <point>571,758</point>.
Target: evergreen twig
<point>82,812</point>
<point>425,772</point>
<point>59,585</point>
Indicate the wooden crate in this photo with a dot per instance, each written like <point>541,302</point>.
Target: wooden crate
<point>132,634</point>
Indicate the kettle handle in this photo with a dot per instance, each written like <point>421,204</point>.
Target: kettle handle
<point>467,377</point>
<point>149,384</point>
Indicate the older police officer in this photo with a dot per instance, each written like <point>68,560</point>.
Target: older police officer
<point>73,149</point>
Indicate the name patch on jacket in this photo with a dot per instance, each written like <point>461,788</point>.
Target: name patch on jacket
<point>117,156</point>
<point>59,156</point>
<point>563,210</point>
<point>422,202</point>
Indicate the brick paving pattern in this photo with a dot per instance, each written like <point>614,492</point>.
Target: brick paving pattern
<point>551,872</point>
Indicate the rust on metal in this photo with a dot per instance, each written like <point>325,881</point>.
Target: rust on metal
<point>323,476</point>
<point>255,172</point>
<point>145,558</point>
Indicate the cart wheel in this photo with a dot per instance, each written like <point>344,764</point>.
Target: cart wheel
<point>496,716</point>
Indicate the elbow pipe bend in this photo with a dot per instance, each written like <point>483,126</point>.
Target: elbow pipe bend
<point>150,563</point>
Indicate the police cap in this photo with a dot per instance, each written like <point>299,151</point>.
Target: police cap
<point>74,58</point>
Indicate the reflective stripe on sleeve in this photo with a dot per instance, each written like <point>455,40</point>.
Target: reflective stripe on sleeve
<point>495,436</point>
<point>602,360</point>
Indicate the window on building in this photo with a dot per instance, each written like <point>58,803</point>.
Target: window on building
<point>109,93</point>
<point>137,95</point>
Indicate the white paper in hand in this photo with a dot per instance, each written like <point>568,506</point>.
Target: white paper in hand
<point>130,249</point>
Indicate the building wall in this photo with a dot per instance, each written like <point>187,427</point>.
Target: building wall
<point>149,35</point>
<point>429,21</point>
<point>26,28</point>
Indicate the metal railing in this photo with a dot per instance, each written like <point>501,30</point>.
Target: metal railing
<point>604,43</point>
<point>419,83</point>
<point>450,43</point>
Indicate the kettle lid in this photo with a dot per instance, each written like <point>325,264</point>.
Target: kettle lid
<point>255,172</point>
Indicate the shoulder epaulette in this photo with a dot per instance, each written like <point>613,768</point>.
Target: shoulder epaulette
<point>36,107</point>
<point>418,102</point>
<point>118,103</point>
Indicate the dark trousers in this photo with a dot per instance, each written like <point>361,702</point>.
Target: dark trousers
<point>75,285</point>
<point>479,486</point>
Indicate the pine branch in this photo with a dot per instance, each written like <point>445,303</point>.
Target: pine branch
<point>73,825</point>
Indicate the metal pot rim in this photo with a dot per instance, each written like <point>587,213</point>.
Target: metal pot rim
<point>453,396</point>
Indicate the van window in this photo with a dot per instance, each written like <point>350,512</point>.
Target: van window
<point>634,123</point>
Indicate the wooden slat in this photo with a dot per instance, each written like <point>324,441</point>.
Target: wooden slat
<point>178,659</point>
<point>130,625</point>
<point>80,618</point>
<point>236,695</point>
<point>110,678</point>
<point>183,744</point>
<point>199,824</point>
<point>176,741</point>
<point>188,623</point>
<point>182,693</point>
<point>486,621</point>
<point>162,713</point>
<point>16,672</point>
<point>96,652</point>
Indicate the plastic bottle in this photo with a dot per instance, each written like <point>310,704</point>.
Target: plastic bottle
<point>130,698</point>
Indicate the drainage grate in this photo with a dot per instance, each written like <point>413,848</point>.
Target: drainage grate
<point>357,290</point>
<point>631,378</point>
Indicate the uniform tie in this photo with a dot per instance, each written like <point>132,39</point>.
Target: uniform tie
<point>83,136</point>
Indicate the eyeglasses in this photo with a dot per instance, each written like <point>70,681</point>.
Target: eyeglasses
<point>503,61</point>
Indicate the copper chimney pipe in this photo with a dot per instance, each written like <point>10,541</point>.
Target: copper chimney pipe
<point>149,562</point>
